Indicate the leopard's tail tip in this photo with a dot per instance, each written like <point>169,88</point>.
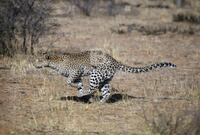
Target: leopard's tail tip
<point>172,65</point>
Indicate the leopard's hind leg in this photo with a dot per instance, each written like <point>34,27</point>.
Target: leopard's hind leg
<point>98,79</point>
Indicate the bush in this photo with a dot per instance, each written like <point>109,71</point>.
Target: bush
<point>187,16</point>
<point>22,24</point>
<point>85,6</point>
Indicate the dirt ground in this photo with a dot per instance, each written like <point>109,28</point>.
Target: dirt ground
<point>31,102</point>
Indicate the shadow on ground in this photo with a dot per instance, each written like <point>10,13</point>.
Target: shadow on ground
<point>114,98</point>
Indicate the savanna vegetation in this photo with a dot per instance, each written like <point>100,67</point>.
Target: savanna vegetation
<point>135,32</point>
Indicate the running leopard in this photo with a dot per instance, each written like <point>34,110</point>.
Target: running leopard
<point>99,66</point>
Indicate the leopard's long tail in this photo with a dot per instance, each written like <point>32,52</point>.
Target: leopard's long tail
<point>148,68</point>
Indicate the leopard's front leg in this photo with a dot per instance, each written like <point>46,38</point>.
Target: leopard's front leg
<point>74,80</point>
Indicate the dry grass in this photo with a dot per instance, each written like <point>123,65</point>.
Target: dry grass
<point>145,104</point>
<point>166,120</point>
<point>34,102</point>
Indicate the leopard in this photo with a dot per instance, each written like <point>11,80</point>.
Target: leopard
<point>99,66</point>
